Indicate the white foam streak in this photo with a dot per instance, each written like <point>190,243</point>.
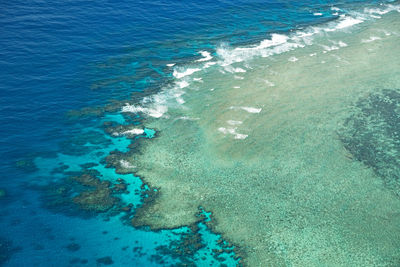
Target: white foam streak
<point>248,109</point>
<point>209,64</point>
<point>135,131</point>
<point>233,122</point>
<point>371,39</point>
<point>276,39</point>
<point>276,45</point>
<point>187,72</point>
<point>347,22</point>
<point>241,136</point>
<point>182,84</point>
<point>155,112</point>
<point>206,56</point>
<point>233,132</point>
<point>269,83</point>
<point>125,164</point>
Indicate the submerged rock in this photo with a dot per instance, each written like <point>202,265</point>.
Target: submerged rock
<point>73,247</point>
<point>27,165</point>
<point>98,200</point>
<point>2,193</point>
<point>6,250</point>
<point>84,192</point>
<point>105,260</point>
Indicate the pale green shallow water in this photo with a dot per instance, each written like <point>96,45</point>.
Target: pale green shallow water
<point>281,184</point>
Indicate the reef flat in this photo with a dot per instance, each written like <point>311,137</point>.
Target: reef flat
<point>268,139</point>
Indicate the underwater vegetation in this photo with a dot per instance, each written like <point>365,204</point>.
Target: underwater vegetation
<point>372,135</point>
<point>2,193</point>
<point>85,192</point>
<point>6,250</point>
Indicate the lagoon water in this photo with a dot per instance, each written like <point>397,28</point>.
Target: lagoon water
<point>226,133</point>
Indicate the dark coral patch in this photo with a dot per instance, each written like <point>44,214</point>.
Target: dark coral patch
<point>76,261</point>
<point>27,165</point>
<point>73,247</point>
<point>184,249</point>
<point>84,143</point>
<point>84,194</point>
<point>105,260</point>
<point>372,135</point>
<point>6,250</point>
<point>3,193</point>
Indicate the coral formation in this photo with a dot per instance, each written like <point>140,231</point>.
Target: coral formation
<point>6,250</point>
<point>85,192</point>
<point>372,135</point>
<point>3,193</point>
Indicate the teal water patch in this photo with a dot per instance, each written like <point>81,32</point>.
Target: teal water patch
<point>73,186</point>
<point>150,133</point>
<point>207,215</point>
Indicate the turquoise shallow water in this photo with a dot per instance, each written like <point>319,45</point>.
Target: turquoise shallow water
<point>67,70</point>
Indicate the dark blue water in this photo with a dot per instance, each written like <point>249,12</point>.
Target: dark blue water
<point>64,65</point>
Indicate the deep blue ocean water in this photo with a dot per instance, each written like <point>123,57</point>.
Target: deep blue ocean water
<point>58,56</point>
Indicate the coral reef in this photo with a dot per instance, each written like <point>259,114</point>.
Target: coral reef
<point>372,135</point>
<point>105,260</point>
<point>85,192</point>
<point>6,250</point>
<point>3,193</point>
<point>78,145</point>
<point>26,165</point>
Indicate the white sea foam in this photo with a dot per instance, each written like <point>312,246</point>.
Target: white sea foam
<point>251,110</point>
<point>156,106</point>
<point>329,48</point>
<point>380,11</point>
<point>236,87</point>
<point>347,22</point>
<point>231,69</point>
<point>239,70</point>
<point>186,118</point>
<point>125,164</point>
<point>182,84</point>
<point>371,39</point>
<point>208,64</point>
<point>226,130</point>
<point>135,131</point>
<point>206,56</point>
<point>276,45</point>
<point>276,39</point>
<point>155,112</point>
<point>184,73</point>
<point>248,109</point>
<point>240,136</point>
<point>269,83</point>
<point>233,132</point>
<point>317,14</point>
<point>293,59</point>
<point>233,122</point>
<point>238,77</point>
